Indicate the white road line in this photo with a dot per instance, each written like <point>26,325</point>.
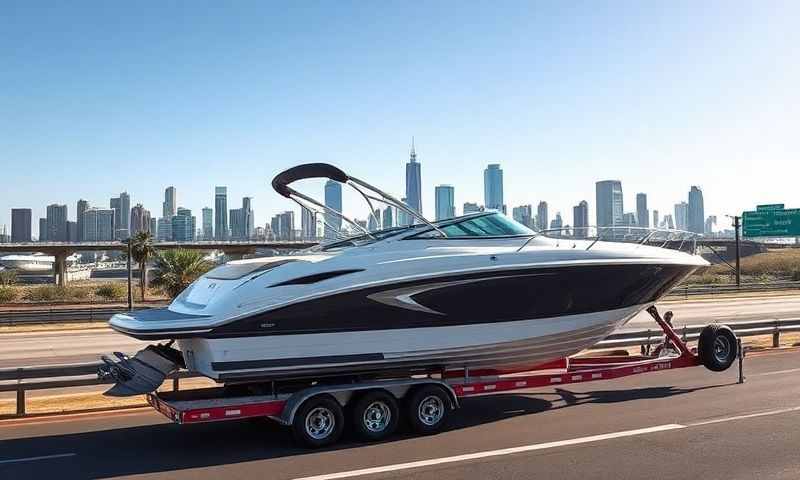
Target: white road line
<point>491,453</point>
<point>43,457</point>
<point>777,372</point>
<point>742,417</point>
<point>539,446</point>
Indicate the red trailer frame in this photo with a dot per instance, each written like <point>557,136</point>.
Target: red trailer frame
<point>205,405</point>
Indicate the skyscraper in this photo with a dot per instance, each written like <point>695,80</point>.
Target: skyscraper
<point>221,213</point>
<point>42,229</point>
<point>629,219</point>
<point>608,202</point>
<point>115,203</point>
<point>557,224</point>
<point>388,217</point>
<point>170,204</point>
<point>470,207</point>
<point>208,223</point>
<point>333,200</point>
<point>711,222</point>
<point>403,218</point>
<point>655,218</point>
<point>374,222</point>
<point>164,233</point>
<point>308,224</point>
<point>283,226</point>
<point>57,223</point>
<point>668,223</point>
<point>541,216</point>
<point>98,225</point>
<point>580,219</point>
<point>154,227</point>
<point>248,220</point>
<point>183,225</point>
<point>82,206</point>
<point>493,188</point>
<point>642,214</point>
<point>682,216</point>
<point>445,202</point>
<point>21,224</point>
<point>523,214</point>
<point>125,216</point>
<point>696,216</point>
<point>414,182</point>
<point>140,220</point>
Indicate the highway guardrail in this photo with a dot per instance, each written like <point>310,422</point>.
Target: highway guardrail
<point>23,379</point>
<point>60,315</point>
<point>686,291</point>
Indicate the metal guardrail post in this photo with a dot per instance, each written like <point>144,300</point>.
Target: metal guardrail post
<point>21,401</point>
<point>684,337</point>
<point>776,336</point>
<point>740,355</point>
<point>175,384</point>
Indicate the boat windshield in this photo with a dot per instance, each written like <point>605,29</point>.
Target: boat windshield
<point>490,224</point>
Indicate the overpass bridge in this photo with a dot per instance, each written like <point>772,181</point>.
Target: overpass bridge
<point>62,250</point>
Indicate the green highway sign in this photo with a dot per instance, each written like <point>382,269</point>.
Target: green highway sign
<point>771,222</point>
<point>773,206</point>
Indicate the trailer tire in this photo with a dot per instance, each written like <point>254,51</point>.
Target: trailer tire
<point>319,422</point>
<point>375,415</point>
<point>428,409</point>
<point>717,347</point>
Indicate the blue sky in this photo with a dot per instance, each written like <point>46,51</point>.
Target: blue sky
<point>100,97</point>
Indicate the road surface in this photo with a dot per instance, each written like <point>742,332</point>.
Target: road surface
<point>74,346</point>
<point>688,423</point>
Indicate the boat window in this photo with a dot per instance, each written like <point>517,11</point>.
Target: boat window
<point>235,271</point>
<point>491,225</point>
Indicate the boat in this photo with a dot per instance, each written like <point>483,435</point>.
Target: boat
<point>478,292</point>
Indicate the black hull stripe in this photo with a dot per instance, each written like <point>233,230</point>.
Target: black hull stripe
<point>297,361</point>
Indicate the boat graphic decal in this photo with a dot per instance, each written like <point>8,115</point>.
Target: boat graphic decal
<point>403,297</point>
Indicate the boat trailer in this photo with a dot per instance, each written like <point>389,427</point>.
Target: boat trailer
<point>317,413</point>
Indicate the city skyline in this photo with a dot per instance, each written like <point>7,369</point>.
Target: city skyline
<point>558,108</point>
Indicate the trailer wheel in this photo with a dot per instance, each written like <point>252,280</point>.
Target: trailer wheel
<point>717,347</point>
<point>319,421</point>
<point>375,415</point>
<point>428,409</point>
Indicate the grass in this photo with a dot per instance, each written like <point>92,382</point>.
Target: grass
<point>773,265</point>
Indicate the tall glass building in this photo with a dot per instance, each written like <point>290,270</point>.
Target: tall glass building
<point>580,219</point>
<point>696,216</point>
<point>682,216</point>
<point>220,213</point>
<point>414,182</point>
<point>170,202</point>
<point>445,202</point>
<point>57,223</point>
<point>642,214</point>
<point>608,202</point>
<point>333,200</point>
<point>493,188</point>
<point>208,223</point>
<point>21,224</point>
<point>542,216</point>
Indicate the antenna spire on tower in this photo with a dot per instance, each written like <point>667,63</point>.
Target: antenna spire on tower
<point>413,151</point>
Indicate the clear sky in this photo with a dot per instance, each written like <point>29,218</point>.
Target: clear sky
<point>100,97</point>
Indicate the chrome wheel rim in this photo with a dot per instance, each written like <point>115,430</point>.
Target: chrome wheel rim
<point>320,423</point>
<point>377,416</point>
<point>722,349</point>
<point>431,410</point>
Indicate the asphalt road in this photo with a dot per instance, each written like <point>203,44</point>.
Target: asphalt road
<point>74,346</point>
<point>688,423</point>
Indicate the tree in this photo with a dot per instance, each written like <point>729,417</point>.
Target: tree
<point>142,251</point>
<point>177,269</point>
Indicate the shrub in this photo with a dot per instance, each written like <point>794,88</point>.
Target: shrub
<point>112,291</point>
<point>77,293</point>
<point>8,277</point>
<point>796,275</point>
<point>46,293</point>
<point>7,294</point>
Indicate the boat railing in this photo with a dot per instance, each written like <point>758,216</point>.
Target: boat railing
<point>665,238</point>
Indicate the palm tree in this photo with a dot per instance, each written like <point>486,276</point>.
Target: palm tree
<point>178,268</point>
<point>142,251</point>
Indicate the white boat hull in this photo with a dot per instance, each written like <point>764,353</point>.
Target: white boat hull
<point>504,345</point>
